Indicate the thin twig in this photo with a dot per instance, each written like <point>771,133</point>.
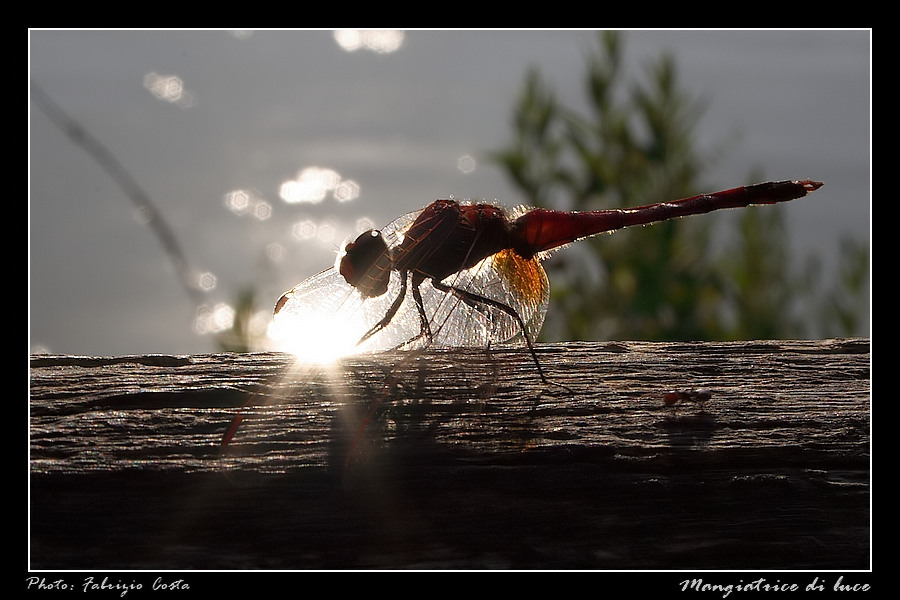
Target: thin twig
<point>129,185</point>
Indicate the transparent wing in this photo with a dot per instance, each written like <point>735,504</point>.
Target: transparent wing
<point>505,278</point>
<point>324,317</point>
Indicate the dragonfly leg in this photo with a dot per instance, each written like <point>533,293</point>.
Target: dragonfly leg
<point>395,306</point>
<point>479,302</point>
<point>424,325</point>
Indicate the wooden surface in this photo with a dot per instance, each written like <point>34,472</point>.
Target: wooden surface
<point>468,460</point>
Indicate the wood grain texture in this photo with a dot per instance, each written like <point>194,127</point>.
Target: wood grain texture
<point>456,459</point>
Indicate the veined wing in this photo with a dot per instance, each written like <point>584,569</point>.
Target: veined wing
<point>324,317</point>
<point>504,277</point>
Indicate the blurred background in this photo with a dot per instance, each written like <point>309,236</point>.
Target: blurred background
<point>180,181</point>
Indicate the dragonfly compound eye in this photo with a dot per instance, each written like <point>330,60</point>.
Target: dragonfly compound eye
<point>366,264</point>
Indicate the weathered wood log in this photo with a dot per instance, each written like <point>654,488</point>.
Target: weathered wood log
<point>457,459</point>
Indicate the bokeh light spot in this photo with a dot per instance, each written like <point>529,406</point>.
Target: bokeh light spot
<point>346,191</point>
<point>326,232</point>
<point>381,41</point>
<point>275,252</point>
<point>213,319</point>
<point>243,203</point>
<point>262,210</point>
<point>466,164</point>
<point>311,186</point>
<point>294,192</point>
<point>143,215</point>
<point>238,201</point>
<point>222,317</point>
<point>304,230</point>
<point>206,281</point>
<point>169,88</point>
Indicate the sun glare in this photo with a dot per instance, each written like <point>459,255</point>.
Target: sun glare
<point>316,339</point>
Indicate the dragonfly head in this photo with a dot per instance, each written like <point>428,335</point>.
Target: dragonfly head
<point>366,264</point>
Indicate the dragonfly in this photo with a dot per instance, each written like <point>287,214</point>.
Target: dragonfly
<point>463,274</point>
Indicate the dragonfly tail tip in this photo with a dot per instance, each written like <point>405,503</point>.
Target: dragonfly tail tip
<point>809,185</point>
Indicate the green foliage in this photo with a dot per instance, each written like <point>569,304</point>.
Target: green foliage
<point>846,307</point>
<point>242,337</point>
<point>637,146</point>
<point>759,288</point>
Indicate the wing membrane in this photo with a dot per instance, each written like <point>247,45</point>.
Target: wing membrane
<point>324,317</point>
